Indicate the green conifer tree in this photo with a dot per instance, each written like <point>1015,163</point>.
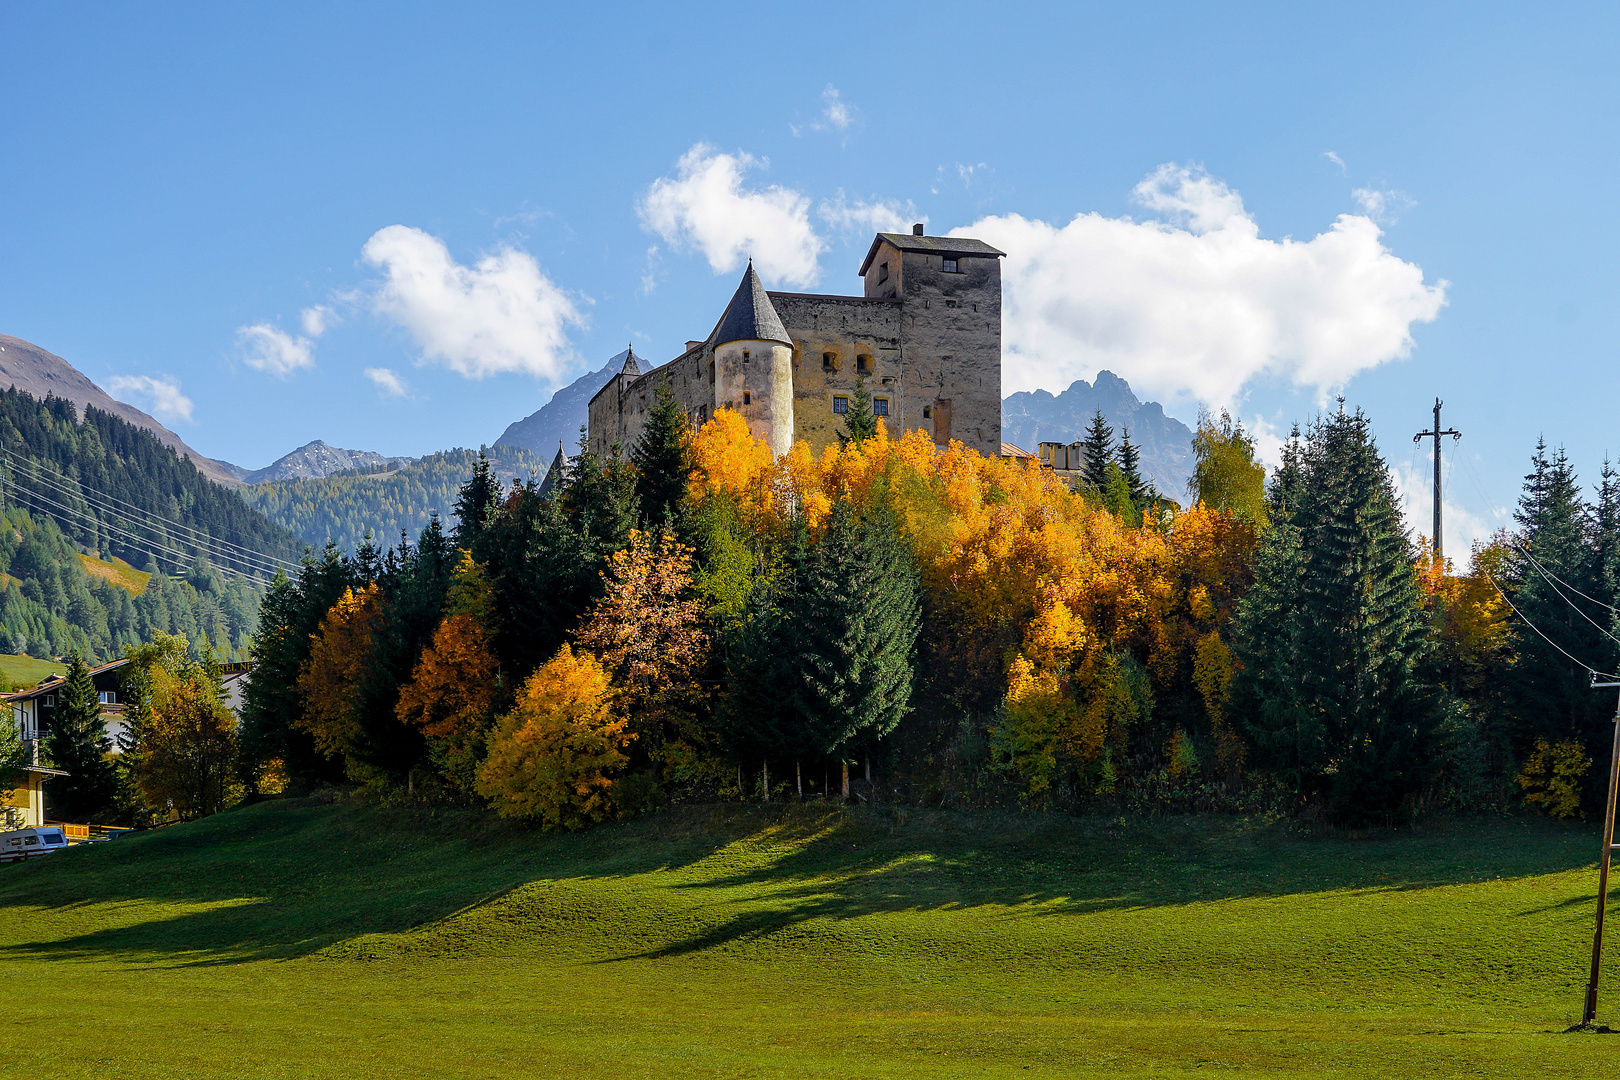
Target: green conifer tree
<point>1130,468</point>
<point>476,502</point>
<point>1097,452</point>
<point>860,422</point>
<point>662,461</point>
<point>77,743</point>
<point>1365,730</point>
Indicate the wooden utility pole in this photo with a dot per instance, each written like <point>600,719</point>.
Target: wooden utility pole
<point>1436,433</point>
<point>1589,1013</point>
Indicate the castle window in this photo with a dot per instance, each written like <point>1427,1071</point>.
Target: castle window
<point>928,412</point>
<point>840,405</point>
<point>863,363</point>
<point>748,398</point>
<point>827,361</point>
<point>880,406</point>
<point>711,371</point>
<point>949,266</point>
<point>745,356</point>
<point>883,272</point>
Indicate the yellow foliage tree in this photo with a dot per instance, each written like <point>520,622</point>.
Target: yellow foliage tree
<point>187,762</point>
<point>553,756</point>
<point>1551,777</point>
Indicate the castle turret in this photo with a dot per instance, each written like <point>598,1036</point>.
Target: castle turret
<point>753,358</point>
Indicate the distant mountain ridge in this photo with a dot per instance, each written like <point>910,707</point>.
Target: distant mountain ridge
<point>316,459</point>
<point>42,374</point>
<point>559,420</point>
<point>1166,443</point>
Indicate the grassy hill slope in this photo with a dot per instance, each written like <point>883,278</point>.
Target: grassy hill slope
<point>289,939</point>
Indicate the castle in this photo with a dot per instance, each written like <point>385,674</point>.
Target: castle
<point>925,337</point>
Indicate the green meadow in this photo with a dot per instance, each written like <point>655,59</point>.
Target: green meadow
<point>296,939</point>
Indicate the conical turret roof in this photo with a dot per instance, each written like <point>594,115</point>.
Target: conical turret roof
<point>630,365</point>
<point>557,473</point>
<point>750,316</point>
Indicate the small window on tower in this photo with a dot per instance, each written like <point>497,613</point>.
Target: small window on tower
<point>883,272</point>
<point>863,363</point>
<point>880,406</point>
<point>745,356</point>
<point>748,399</point>
<point>827,361</point>
<point>949,266</point>
<point>928,412</point>
<point>840,405</point>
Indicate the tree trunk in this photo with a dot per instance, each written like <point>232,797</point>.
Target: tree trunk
<point>798,772</point>
<point>739,780</point>
<point>765,771</point>
<point>846,781</point>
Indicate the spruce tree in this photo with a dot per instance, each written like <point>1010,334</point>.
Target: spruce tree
<point>476,502</point>
<point>1336,695</point>
<point>77,743</point>
<point>1558,554</point>
<point>1130,468</point>
<point>662,460</point>
<point>1097,452</point>
<point>856,638</point>
<point>860,421</point>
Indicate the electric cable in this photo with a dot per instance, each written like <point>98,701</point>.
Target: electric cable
<point>36,470</point>
<point>254,560</point>
<point>1544,637</point>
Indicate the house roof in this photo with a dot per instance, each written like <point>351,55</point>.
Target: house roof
<point>939,245</point>
<point>1012,450</point>
<point>750,316</point>
<point>54,683</point>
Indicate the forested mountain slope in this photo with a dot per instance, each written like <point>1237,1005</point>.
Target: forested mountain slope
<point>117,490</point>
<point>40,374</point>
<point>346,506</point>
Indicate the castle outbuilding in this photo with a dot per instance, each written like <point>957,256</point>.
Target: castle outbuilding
<point>925,337</point>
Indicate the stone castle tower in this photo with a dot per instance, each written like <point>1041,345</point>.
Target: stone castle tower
<point>925,337</point>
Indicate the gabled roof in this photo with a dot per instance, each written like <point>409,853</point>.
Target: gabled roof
<point>54,683</point>
<point>630,368</point>
<point>750,316</point>
<point>939,245</point>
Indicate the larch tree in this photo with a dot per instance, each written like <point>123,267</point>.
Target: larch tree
<point>1225,474</point>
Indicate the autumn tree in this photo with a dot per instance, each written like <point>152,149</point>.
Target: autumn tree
<point>647,630</point>
<point>330,681</point>
<point>76,742</point>
<point>552,758</point>
<point>187,764</point>
<point>454,687</point>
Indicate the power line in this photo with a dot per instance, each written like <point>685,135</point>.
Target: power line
<point>1525,548</point>
<point>38,471</point>
<point>221,550</point>
<point>1544,637</point>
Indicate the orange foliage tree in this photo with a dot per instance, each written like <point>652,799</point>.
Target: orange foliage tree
<point>455,685</point>
<point>553,756</point>
<point>329,681</point>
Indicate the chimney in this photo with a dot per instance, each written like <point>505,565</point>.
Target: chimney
<point>917,229</point>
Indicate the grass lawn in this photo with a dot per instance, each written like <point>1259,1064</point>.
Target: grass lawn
<point>26,671</point>
<point>297,940</point>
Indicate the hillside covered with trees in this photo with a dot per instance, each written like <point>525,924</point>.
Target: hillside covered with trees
<point>346,507</point>
<point>886,621</point>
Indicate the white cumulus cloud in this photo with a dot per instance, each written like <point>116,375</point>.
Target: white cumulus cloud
<point>1384,207</point>
<point>387,380</point>
<point>879,215</point>
<point>315,319</point>
<point>836,112</point>
<point>500,315</point>
<point>706,207</point>
<point>1198,304</point>
<point>159,394</point>
<point>268,347</point>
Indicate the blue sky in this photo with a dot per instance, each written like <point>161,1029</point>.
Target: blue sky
<point>474,203</point>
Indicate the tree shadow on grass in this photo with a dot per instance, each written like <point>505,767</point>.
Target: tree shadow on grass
<point>285,879</point>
